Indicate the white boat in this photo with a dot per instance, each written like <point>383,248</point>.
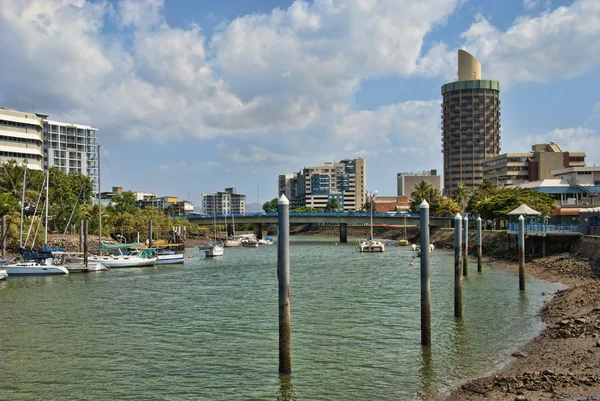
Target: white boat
<point>265,241</point>
<point>230,243</point>
<point>215,250</point>
<point>168,257</point>
<point>34,269</point>
<point>3,274</point>
<point>122,261</point>
<point>202,247</point>
<point>371,245</point>
<point>73,261</point>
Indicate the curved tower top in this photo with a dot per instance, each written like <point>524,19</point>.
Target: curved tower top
<point>468,67</point>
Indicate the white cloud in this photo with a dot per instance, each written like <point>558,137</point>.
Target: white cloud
<point>531,4</point>
<point>562,43</point>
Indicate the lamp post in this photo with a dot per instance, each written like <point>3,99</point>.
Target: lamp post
<point>372,195</point>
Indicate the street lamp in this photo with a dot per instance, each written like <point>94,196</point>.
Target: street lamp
<point>372,195</point>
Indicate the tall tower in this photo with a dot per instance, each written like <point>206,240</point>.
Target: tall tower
<point>470,124</point>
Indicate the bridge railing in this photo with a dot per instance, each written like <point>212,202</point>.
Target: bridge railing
<point>299,214</point>
<point>546,228</point>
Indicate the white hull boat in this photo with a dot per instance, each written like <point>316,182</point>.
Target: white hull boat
<point>169,257</point>
<point>231,243</point>
<point>372,246</point>
<point>34,269</point>
<point>215,250</point>
<point>122,261</point>
<point>3,274</point>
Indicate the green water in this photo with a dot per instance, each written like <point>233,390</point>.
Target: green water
<point>208,329</point>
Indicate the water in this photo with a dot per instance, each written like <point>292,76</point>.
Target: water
<point>209,329</point>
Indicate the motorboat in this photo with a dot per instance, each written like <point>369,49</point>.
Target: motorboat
<point>402,242</point>
<point>3,274</point>
<point>168,257</point>
<point>249,240</point>
<point>215,250</point>
<point>265,241</point>
<point>30,268</point>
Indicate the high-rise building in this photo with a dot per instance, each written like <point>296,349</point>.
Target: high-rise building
<point>71,148</point>
<point>518,168</point>
<point>470,124</point>
<point>21,138</point>
<point>344,181</point>
<point>408,181</point>
<point>226,202</point>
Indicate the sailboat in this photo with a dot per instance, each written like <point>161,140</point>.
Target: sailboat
<point>370,245</point>
<point>215,249</point>
<point>42,266</point>
<point>230,243</point>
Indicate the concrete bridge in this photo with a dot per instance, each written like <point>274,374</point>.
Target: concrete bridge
<point>341,218</point>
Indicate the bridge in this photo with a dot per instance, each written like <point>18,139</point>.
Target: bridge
<point>341,218</point>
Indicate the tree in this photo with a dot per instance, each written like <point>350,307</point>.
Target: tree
<point>8,204</point>
<point>332,205</point>
<point>461,195</point>
<point>270,206</point>
<point>425,191</point>
<point>485,190</point>
<point>447,207</point>
<point>306,209</point>
<point>124,203</point>
<point>507,199</point>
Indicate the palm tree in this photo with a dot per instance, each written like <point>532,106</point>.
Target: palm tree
<point>461,195</point>
<point>332,205</point>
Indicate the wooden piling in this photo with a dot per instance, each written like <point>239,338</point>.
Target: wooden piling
<point>85,243</point>
<point>521,253</point>
<point>425,280</point>
<point>458,268</point>
<point>81,236</point>
<point>465,246</point>
<point>149,233</point>
<point>4,237</point>
<point>479,245</point>
<point>283,276</point>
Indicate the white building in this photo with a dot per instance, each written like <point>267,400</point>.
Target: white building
<point>21,138</point>
<point>72,148</point>
<point>226,202</point>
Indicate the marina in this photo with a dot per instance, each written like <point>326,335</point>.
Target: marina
<point>355,327</point>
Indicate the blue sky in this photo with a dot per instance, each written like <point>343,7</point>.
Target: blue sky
<point>195,96</point>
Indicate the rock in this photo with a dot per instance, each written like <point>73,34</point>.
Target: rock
<point>519,354</point>
<point>520,397</point>
<point>580,321</point>
<point>598,343</point>
<point>565,322</point>
<point>544,293</point>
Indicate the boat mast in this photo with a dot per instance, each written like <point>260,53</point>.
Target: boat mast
<point>371,203</point>
<point>99,200</point>
<point>215,216</point>
<point>22,205</point>
<point>46,215</point>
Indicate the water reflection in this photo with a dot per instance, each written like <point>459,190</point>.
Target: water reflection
<point>285,392</point>
<point>426,373</point>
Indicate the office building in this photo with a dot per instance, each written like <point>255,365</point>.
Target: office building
<point>470,124</point>
<point>518,168</point>
<point>21,138</point>
<point>226,202</point>
<point>72,148</point>
<point>344,181</point>
<point>408,181</point>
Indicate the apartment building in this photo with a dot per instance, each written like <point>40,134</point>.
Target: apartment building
<point>538,164</point>
<point>407,181</point>
<point>344,181</point>
<point>470,124</point>
<point>226,202</point>
<point>21,138</point>
<point>72,148</point>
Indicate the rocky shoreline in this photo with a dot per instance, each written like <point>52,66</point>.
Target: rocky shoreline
<point>563,362</point>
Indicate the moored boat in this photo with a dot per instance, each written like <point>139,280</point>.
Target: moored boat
<point>3,274</point>
<point>29,268</point>
<point>168,257</point>
<point>215,250</point>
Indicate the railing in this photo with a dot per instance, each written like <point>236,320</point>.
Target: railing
<point>303,214</point>
<point>546,228</point>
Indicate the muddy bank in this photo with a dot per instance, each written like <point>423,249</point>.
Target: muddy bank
<point>563,362</point>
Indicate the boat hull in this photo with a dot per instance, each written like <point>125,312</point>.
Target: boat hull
<point>372,246</point>
<point>34,269</point>
<point>3,274</point>
<point>169,259</point>
<point>214,251</point>
<point>122,262</point>
<point>231,244</point>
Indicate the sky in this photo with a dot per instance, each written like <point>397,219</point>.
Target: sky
<point>190,97</point>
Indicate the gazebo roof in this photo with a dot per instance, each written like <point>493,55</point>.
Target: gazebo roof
<point>524,210</point>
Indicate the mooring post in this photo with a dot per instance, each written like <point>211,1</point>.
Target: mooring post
<point>465,246</point>
<point>425,286</point>
<point>521,253</point>
<point>283,276</point>
<point>85,243</point>
<point>4,237</point>
<point>479,250</point>
<point>458,268</point>
<point>149,233</point>
<point>81,236</point>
